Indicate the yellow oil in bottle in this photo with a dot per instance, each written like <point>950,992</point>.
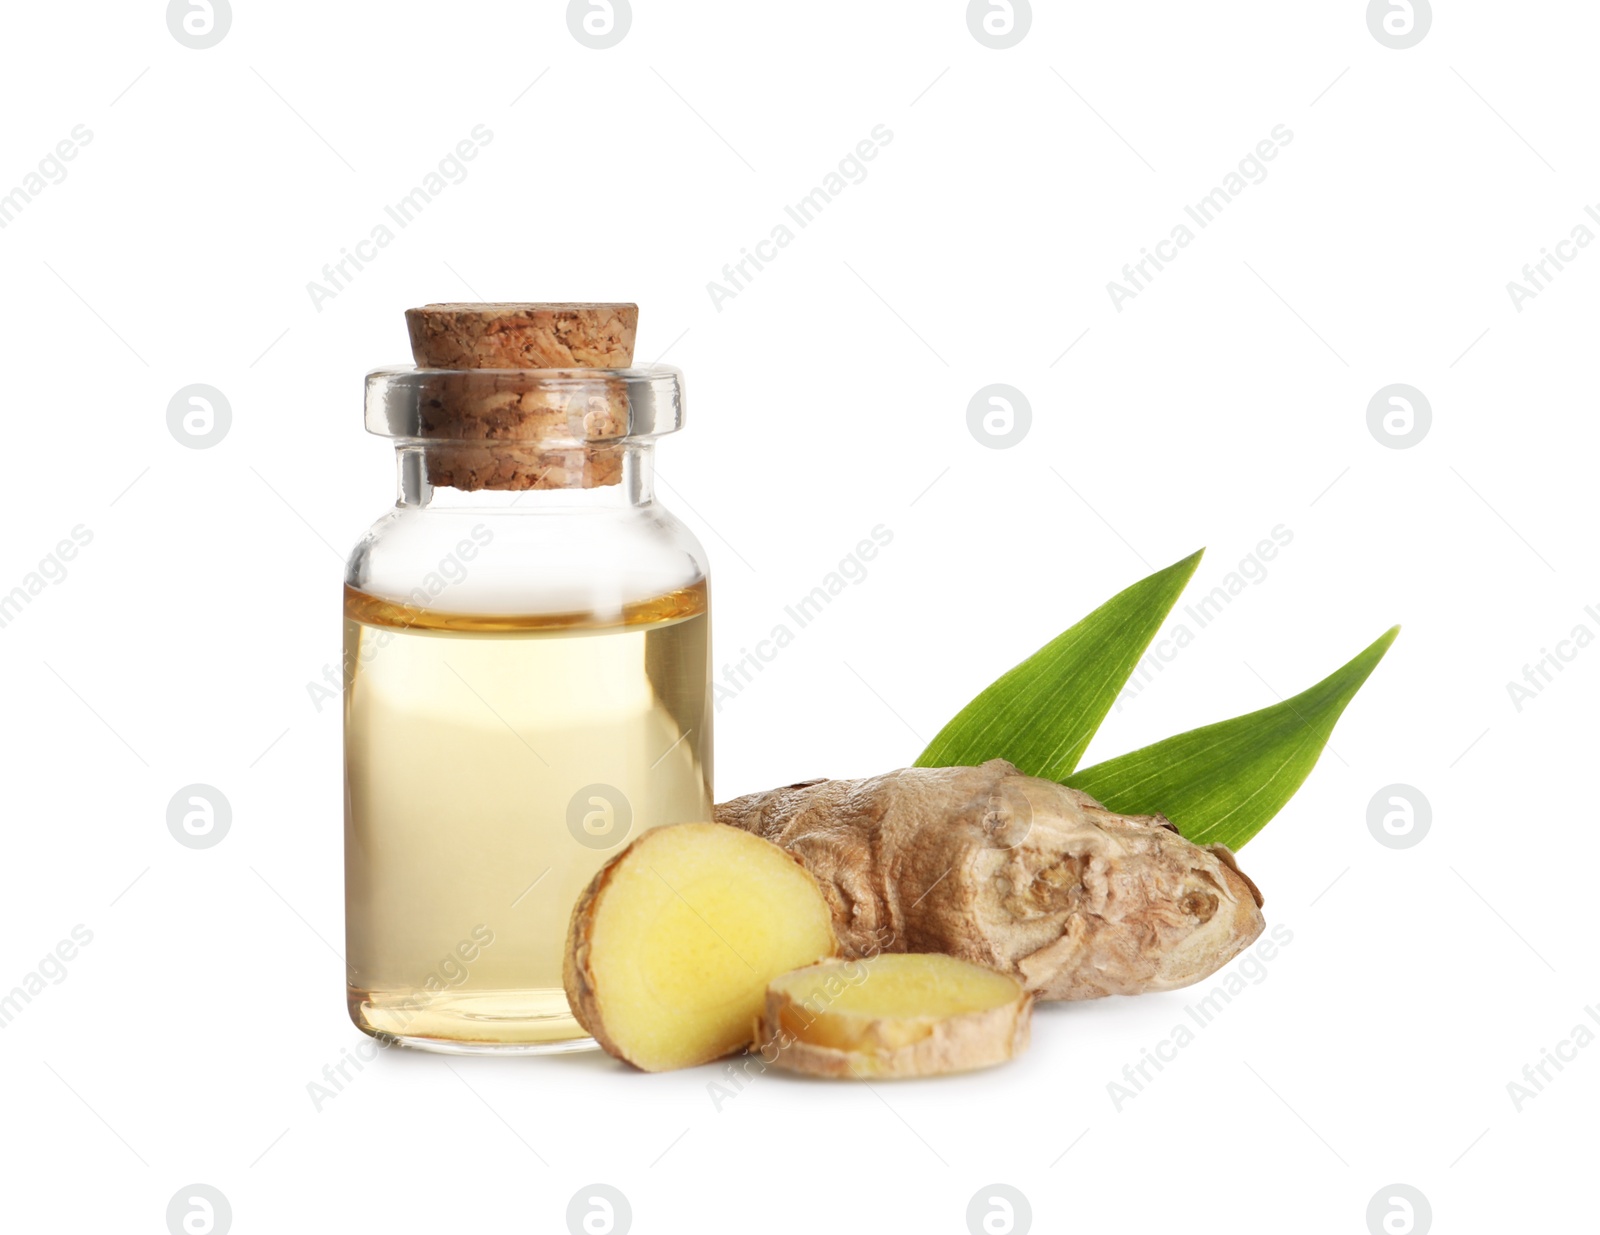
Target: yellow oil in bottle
<point>492,765</point>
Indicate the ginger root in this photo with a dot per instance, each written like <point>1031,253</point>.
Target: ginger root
<point>1019,874</point>
<point>671,946</point>
<point>894,1015</point>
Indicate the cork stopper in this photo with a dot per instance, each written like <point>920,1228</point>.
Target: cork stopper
<point>523,336</point>
<point>511,433</point>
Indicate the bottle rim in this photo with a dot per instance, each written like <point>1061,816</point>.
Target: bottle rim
<point>557,408</point>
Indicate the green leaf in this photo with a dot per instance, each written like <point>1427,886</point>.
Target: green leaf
<point>1041,714</point>
<point>1224,782</point>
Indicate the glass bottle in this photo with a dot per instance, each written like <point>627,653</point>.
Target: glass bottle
<point>527,687</point>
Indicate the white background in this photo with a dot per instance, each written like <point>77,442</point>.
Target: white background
<point>828,397</point>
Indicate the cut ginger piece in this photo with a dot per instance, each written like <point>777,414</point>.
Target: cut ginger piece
<point>673,943</point>
<point>893,1015</point>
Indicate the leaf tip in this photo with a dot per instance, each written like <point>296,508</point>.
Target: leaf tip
<point>1186,566</point>
<point>1367,659</point>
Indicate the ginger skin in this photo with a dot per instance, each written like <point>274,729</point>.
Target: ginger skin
<point>1023,875</point>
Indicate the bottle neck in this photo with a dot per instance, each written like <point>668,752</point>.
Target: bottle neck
<point>617,476</point>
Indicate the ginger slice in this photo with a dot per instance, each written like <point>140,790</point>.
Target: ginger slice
<point>893,1015</point>
<point>672,944</point>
